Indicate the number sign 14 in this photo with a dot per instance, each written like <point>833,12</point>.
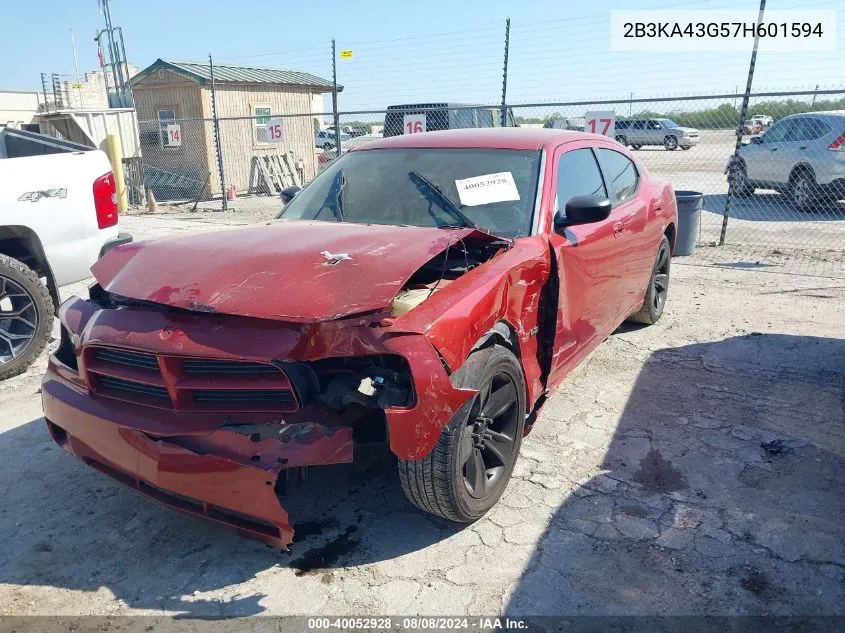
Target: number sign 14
<point>174,135</point>
<point>600,122</point>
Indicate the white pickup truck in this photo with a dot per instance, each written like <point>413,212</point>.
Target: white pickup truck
<point>58,214</point>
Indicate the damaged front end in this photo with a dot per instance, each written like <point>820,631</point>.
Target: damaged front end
<point>217,414</point>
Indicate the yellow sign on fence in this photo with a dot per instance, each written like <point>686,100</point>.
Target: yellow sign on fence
<point>346,54</point>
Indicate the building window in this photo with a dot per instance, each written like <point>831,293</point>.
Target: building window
<point>165,118</point>
<point>262,117</point>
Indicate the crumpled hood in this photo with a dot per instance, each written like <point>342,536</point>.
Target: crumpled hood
<point>282,270</point>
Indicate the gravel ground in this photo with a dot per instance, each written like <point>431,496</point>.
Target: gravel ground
<point>692,467</point>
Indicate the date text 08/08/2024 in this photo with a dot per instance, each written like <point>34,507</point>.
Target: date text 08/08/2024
<point>417,623</point>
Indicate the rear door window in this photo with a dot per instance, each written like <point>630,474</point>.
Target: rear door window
<point>620,174</point>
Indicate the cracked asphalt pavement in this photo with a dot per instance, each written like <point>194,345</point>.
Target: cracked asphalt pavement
<point>692,467</point>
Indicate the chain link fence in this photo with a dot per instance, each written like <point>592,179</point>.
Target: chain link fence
<point>775,203</point>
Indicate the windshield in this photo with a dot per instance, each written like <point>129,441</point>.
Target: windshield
<point>668,123</point>
<point>492,189</point>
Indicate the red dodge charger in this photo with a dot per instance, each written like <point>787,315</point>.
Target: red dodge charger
<point>425,291</point>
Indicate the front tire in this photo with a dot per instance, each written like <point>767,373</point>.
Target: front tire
<point>670,143</point>
<point>658,286</point>
<point>622,140</point>
<point>738,185</point>
<point>26,317</point>
<point>469,468</point>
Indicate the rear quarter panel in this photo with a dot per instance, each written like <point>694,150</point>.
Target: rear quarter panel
<point>66,226</point>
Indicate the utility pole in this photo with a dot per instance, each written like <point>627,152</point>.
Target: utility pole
<point>504,112</point>
<point>741,124</point>
<point>216,123</point>
<point>334,100</point>
<point>814,96</point>
<point>117,71</point>
<point>631,105</point>
<point>76,66</point>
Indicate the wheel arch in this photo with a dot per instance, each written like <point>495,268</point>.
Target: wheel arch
<point>502,333</point>
<point>671,233</point>
<point>801,168</point>
<point>22,243</point>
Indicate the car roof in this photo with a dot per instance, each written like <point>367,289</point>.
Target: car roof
<point>497,138</point>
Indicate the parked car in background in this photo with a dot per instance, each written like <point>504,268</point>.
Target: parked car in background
<point>326,139</point>
<point>58,213</point>
<point>752,127</point>
<point>426,292</point>
<point>431,117</point>
<point>664,132</point>
<point>763,119</point>
<point>802,155</point>
<point>566,123</point>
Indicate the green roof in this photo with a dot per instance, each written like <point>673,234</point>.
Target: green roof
<point>201,73</point>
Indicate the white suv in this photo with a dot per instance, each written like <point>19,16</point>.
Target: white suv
<point>802,155</point>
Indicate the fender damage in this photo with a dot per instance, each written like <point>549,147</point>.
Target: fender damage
<point>231,466</point>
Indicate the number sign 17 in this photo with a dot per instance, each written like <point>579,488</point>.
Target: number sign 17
<point>600,122</point>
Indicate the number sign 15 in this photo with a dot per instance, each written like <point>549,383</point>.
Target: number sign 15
<point>275,131</point>
<point>413,123</point>
<point>600,122</point>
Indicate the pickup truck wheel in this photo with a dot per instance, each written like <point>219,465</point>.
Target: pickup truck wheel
<point>622,140</point>
<point>470,466</point>
<point>658,286</point>
<point>670,143</point>
<point>26,317</point>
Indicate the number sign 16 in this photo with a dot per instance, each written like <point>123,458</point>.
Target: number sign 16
<point>600,122</point>
<point>275,131</point>
<point>413,123</point>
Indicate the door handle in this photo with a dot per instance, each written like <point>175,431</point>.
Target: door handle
<point>803,147</point>
<point>773,149</point>
<point>618,229</point>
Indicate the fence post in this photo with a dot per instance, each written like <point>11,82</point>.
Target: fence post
<point>740,128</point>
<point>335,113</point>
<point>216,123</point>
<point>505,74</point>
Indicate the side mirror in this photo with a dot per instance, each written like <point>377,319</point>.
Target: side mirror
<point>583,210</point>
<point>288,193</point>
<point>757,140</point>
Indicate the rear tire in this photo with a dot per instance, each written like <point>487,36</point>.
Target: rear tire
<point>802,190</point>
<point>469,468</point>
<point>636,146</point>
<point>658,286</point>
<point>621,139</point>
<point>26,317</point>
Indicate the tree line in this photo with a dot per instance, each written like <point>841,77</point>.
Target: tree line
<point>723,116</point>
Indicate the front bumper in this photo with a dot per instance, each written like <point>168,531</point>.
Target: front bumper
<point>686,141</point>
<point>224,467</point>
<point>222,477</point>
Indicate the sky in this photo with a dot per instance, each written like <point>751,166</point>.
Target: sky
<point>411,52</point>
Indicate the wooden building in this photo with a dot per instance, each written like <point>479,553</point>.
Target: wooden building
<point>173,102</point>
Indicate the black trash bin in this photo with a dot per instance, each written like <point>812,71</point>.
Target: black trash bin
<point>689,219</point>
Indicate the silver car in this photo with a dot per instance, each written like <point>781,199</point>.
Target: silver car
<point>665,132</point>
<point>802,155</point>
